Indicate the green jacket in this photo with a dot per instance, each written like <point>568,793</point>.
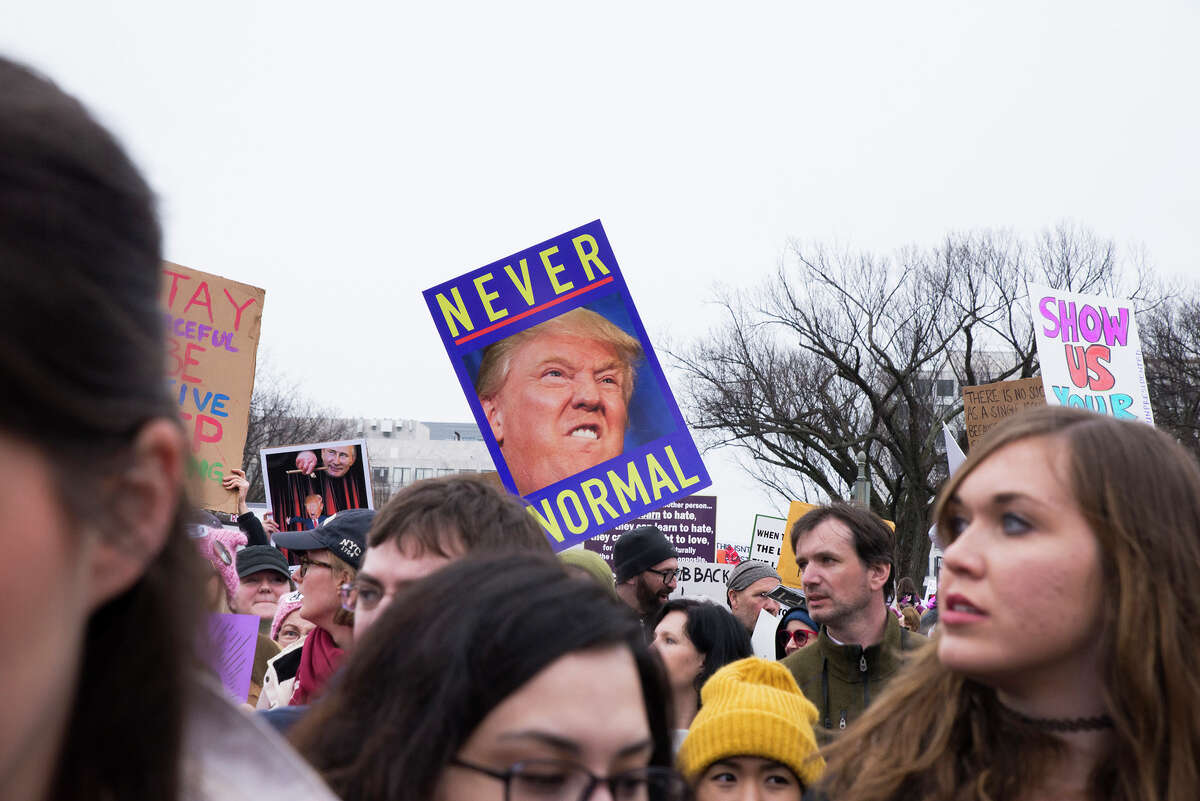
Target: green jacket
<point>842,680</point>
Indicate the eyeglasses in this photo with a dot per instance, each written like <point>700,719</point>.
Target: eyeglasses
<point>305,564</point>
<point>357,597</point>
<point>800,637</point>
<point>667,575</point>
<point>555,780</point>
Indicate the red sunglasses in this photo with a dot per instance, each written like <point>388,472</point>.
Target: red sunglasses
<point>800,637</point>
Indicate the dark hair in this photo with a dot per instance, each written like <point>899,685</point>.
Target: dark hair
<point>874,541</point>
<point>446,652</point>
<point>82,338</point>
<point>445,515</point>
<point>714,632</point>
<point>906,586</point>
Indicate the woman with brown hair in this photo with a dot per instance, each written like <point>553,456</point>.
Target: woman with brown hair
<point>1090,528</point>
<point>100,587</point>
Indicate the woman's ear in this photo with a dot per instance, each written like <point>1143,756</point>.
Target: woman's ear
<point>145,500</point>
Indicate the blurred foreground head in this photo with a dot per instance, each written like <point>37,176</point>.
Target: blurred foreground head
<point>494,665</point>
<point>98,581</point>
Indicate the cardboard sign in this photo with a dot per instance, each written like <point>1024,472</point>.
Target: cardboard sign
<point>690,525</point>
<point>232,640</point>
<point>1090,354</point>
<point>986,405</point>
<point>767,542</point>
<point>307,483</point>
<point>702,580</point>
<point>565,386</point>
<point>212,346</point>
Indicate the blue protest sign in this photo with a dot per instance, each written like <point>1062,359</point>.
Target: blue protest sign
<point>565,386</point>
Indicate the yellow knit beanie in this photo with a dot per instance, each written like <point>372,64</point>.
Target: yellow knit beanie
<point>754,708</point>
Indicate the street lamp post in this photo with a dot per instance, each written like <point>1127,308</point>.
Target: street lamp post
<point>861,494</point>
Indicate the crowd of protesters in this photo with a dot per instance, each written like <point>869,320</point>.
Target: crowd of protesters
<point>437,649</point>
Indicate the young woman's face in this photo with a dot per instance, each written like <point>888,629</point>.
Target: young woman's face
<point>747,778</point>
<point>798,628</point>
<point>43,591</point>
<point>584,710</point>
<point>680,657</point>
<point>1020,589</point>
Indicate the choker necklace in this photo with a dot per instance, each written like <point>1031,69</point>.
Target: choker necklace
<point>1069,724</point>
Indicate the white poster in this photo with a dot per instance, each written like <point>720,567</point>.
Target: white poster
<point>1090,354</point>
<point>767,544</point>
<point>702,580</point>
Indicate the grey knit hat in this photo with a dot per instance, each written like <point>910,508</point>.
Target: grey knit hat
<point>749,572</point>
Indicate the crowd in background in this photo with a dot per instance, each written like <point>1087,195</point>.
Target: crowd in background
<point>437,649</point>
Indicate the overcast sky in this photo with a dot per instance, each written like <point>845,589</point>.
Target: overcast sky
<point>347,156</point>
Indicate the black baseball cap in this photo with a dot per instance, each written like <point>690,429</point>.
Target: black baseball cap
<point>254,558</point>
<point>343,534</point>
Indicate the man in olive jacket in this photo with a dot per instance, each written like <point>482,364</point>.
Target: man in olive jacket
<point>845,556</point>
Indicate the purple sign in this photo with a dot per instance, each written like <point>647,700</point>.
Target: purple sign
<point>232,640</point>
<point>565,386</point>
<point>690,525</point>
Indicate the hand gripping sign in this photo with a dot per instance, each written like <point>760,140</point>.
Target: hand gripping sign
<point>565,386</point>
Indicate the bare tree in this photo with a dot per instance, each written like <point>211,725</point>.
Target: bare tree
<point>1170,337</point>
<point>840,352</point>
<point>281,414</point>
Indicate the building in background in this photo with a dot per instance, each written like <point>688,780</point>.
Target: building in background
<point>403,451</point>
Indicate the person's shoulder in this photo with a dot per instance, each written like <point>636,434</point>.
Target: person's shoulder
<point>232,756</point>
<point>803,663</point>
<point>286,663</point>
<point>911,640</point>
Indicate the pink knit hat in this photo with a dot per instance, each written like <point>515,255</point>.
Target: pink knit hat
<point>287,604</point>
<point>219,546</point>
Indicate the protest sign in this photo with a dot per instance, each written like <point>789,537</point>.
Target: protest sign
<point>565,386</point>
<point>702,580</point>
<point>766,543</point>
<point>954,453</point>
<point>212,345</point>
<point>1090,354</point>
<point>729,553</point>
<point>985,405</point>
<point>307,483</point>
<point>762,639</point>
<point>690,525</point>
<point>785,565</point>
<point>232,640</point>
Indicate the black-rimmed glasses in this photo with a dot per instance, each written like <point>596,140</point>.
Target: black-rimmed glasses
<point>667,575</point>
<point>556,780</point>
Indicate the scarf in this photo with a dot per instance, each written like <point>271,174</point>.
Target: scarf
<point>319,658</point>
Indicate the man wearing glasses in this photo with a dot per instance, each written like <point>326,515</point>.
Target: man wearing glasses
<point>645,566</point>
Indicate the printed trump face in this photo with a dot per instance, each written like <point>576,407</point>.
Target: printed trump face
<point>561,409</point>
